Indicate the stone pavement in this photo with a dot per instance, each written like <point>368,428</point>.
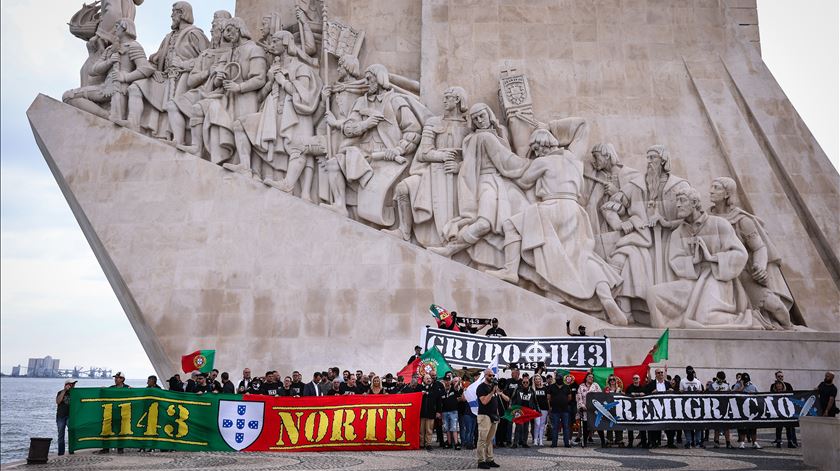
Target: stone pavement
<point>439,459</point>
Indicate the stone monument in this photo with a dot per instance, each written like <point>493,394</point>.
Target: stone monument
<point>474,154</point>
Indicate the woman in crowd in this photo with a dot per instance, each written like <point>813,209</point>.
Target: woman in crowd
<point>376,386</point>
<point>335,388</point>
<point>542,403</point>
<point>617,437</point>
<point>589,385</point>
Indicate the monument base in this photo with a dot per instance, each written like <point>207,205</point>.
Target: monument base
<point>820,442</point>
<point>804,357</point>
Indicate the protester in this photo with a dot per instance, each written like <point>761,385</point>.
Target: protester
<point>747,434</point>
<point>296,387</point>
<point>504,432</point>
<point>271,386</point>
<point>286,390</point>
<point>418,350</point>
<point>335,390</point>
<point>589,385</point>
<point>691,384</point>
<point>376,386</point>
<point>828,396</point>
<point>636,390</point>
<point>489,405</point>
<point>541,395</point>
<point>390,385</point>
<point>244,384</point>
<point>614,437</point>
<point>719,384</point>
<point>523,396</point>
<point>781,386</point>
<point>469,421</point>
<point>450,400</point>
<point>151,382</point>
<point>495,330</point>
<point>227,384</point>
<point>313,388</point>
<point>62,412</point>
<point>175,383</point>
<point>429,411</point>
<point>119,382</point>
<point>213,382</point>
<point>559,399</point>
<point>659,385</point>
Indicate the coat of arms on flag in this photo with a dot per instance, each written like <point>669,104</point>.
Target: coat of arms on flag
<point>240,423</point>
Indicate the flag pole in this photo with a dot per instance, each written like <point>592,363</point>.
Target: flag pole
<point>325,71</point>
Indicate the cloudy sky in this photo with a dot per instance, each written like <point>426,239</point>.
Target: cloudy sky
<point>54,299</point>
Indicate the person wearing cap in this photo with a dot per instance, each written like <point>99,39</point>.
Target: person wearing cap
<point>418,350</point>
<point>62,412</point>
<point>390,384</point>
<point>580,333</point>
<point>746,435</point>
<point>119,382</point>
<point>495,330</point>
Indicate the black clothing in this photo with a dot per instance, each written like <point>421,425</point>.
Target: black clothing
<point>542,397</point>
<point>357,389</point>
<point>508,387</point>
<point>312,389</point>
<point>175,384</point>
<point>334,392</point>
<point>381,391</point>
<point>560,394</point>
<point>412,358</point>
<point>525,398</point>
<point>206,389</point>
<point>449,399</point>
<point>496,332</point>
<point>826,392</point>
<point>248,386</point>
<point>283,392</point>
<point>639,390</point>
<point>227,388</point>
<point>271,388</point>
<point>490,409</point>
<point>391,387</point>
<point>650,387</point>
<point>297,389</point>
<point>190,387</point>
<point>431,401</point>
<point>217,386</point>
<point>63,409</point>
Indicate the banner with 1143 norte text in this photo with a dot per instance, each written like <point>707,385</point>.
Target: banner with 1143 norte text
<point>155,418</point>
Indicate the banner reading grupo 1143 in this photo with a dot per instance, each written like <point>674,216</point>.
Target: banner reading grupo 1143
<point>711,410</point>
<point>477,351</point>
<point>154,418</point>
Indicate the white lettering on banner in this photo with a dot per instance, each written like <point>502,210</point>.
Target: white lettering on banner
<point>769,409</point>
<point>785,407</point>
<point>508,353</point>
<point>472,355</point>
<point>748,413</point>
<point>658,409</point>
<point>714,405</point>
<point>596,351</point>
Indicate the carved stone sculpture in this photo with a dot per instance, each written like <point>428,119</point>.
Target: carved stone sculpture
<point>426,200</point>
<point>762,278</point>
<point>487,196</point>
<point>121,64</point>
<point>235,82</point>
<point>553,236</point>
<point>154,97</point>
<point>112,11</point>
<point>385,132</point>
<point>616,206</point>
<point>180,109</point>
<point>283,127</point>
<point>707,257</point>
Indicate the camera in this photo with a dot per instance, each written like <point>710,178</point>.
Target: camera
<point>494,381</point>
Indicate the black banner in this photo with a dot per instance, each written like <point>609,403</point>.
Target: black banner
<point>709,410</point>
<point>527,365</point>
<point>474,321</point>
<point>477,351</point>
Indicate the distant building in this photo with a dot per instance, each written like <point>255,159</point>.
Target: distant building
<point>16,370</point>
<point>43,367</point>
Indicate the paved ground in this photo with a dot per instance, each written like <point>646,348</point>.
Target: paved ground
<point>439,459</point>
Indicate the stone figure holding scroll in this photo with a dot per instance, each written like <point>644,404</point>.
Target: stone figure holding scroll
<point>180,108</point>
<point>285,123</point>
<point>121,64</point>
<point>762,278</point>
<point>553,236</point>
<point>426,200</point>
<point>707,257</point>
<point>383,132</point>
<point>234,82</point>
<point>487,196</point>
<point>152,98</point>
<point>616,208</point>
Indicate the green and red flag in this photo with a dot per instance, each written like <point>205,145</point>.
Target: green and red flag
<point>578,376</point>
<point>199,360</point>
<point>430,362</point>
<point>659,351</point>
<point>521,414</point>
<point>623,373</point>
<point>444,319</point>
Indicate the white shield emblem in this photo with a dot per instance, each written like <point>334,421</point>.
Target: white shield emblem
<point>240,423</point>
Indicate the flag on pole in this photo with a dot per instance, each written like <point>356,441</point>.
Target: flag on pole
<point>659,351</point>
<point>199,360</point>
<point>520,414</point>
<point>430,362</point>
<point>444,318</point>
<point>470,394</point>
<point>623,373</point>
<point>579,376</point>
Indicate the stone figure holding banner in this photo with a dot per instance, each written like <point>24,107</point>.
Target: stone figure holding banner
<point>707,256</point>
<point>553,236</point>
<point>426,199</point>
<point>762,278</point>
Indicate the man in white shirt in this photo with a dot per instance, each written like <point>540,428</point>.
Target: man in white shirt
<point>719,384</point>
<point>693,437</point>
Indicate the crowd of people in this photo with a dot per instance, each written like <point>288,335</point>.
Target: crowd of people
<point>447,421</point>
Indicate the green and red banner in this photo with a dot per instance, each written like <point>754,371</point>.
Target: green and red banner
<point>166,420</point>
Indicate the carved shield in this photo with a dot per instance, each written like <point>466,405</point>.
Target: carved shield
<point>516,93</point>
<point>240,423</point>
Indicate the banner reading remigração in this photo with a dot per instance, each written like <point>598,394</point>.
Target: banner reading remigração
<point>154,418</point>
<point>720,410</point>
<point>477,351</point>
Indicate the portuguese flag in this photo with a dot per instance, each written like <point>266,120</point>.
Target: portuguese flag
<point>444,318</point>
<point>623,373</point>
<point>430,362</point>
<point>199,360</point>
<point>521,414</point>
<point>659,351</point>
<point>579,376</point>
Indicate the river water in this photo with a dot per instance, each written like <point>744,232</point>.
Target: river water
<point>27,409</point>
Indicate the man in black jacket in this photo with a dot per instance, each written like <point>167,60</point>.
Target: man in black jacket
<point>313,388</point>
<point>429,410</point>
<point>450,400</point>
<point>636,390</point>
